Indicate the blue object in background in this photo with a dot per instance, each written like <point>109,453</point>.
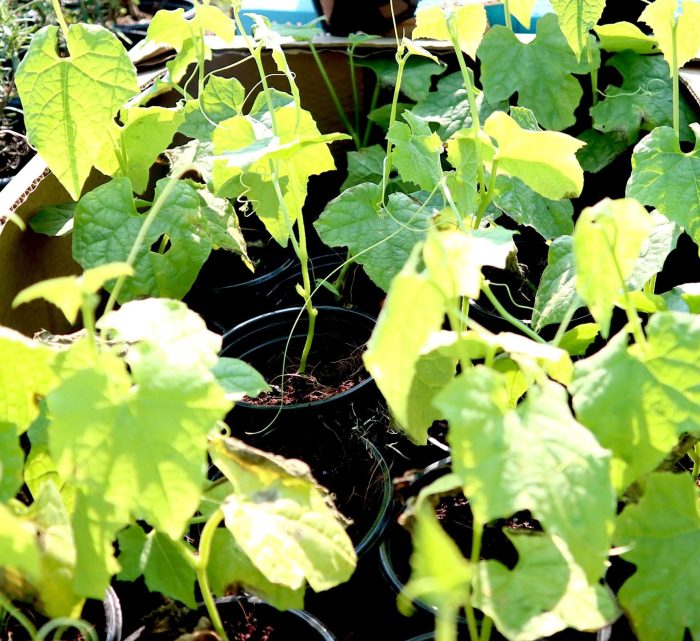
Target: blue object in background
<point>283,11</point>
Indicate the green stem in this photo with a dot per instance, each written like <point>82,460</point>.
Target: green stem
<point>334,96</point>
<point>695,455</point>
<point>508,316</point>
<point>143,233</point>
<point>401,60</point>
<point>450,201</point>
<point>593,73</point>
<point>340,281</point>
<point>355,93</point>
<point>372,107</point>
<point>477,532</point>
<point>676,80</point>
<point>446,626</point>
<point>487,196</point>
<point>564,325</point>
<point>486,627</point>
<point>59,17</point>
<point>63,623</point>
<point>471,97</point>
<point>506,11</point>
<point>16,614</point>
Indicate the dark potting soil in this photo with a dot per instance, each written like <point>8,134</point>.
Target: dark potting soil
<point>334,374</point>
<point>15,152</point>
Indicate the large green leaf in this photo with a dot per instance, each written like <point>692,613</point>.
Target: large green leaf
<point>545,593</point>
<point>550,218</point>
<point>162,565</point>
<point>25,376</point>
<point>417,151</point>
<point>541,72</point>
<point>107,224</point>
<point>448,106</point>
<point>534,458</point>
<point>607,243</point>
<point>643,101</point>
<point>379,238</point>
<point>396,345</point>
<point>576,19</point>
<point>660,536</point>
<point>639,400</point>
<point>468,22</point>
<point>601,149</point>
<point>544,160</point>
<point>681,16</point>
<point>233,570</point>
<point>364,165</point>
<point>69,103</point>
<point>139,447</point>
<point>665,177</point>
<point>281,519</point>
<point>221,99</point>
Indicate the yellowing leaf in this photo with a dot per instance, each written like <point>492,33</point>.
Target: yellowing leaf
<point>576,17</point>
<point>70,103</point>
<point>522,10</point>
<point>544,160</point>
<point>607,243</point>
<point>620,36</point>
<point>468,22</point>
<point>69,292</point>
<point>663,16</point>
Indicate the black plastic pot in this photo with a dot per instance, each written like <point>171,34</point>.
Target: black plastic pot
<point>369,16</point>
<point>242,611</point>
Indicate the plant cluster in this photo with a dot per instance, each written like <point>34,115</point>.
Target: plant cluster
<point>585,420</point>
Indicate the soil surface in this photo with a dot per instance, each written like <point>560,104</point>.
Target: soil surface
<point>15,152</point>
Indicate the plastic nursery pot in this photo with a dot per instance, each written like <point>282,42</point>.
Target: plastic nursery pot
<point>371,16</point>
<point>243,617</point>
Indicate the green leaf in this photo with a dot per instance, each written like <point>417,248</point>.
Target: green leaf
<point>544,160</point>
<point>576,18</point>
<point>555,456</point>
<point>107,225</point>
<point>300,32</point>
<point>277,506</point>
<point>468,22</point>
<point>167,343</point>
<point>25,376</point>
<point>221,99</point>
<point>364,165</point>
<point>545,593</point>
<point>665,177</point>
<point>54,220</point>
<point>639,400</point>
<point>70,102</point>
<point>600,150</point>
<point>156,557</point>
<point>577,340</point>
<point>660,597</point>
<point>509,66</point>
<point>642,102</point>
<point>234,570</point>
<point>683,16</point>
<point>550,218</point>
<point>146,132</point>
<point>238,379</point>
<point>151,430</point>
<point>380,240</point>
<point>448,106</point>
<point>416,79</point>
<point>440,575</point>
<point>59,596</point>
<point>11,462</point>
<point>621,36</point>
<point>68,293</point>
<point>397,343</point>
<point>607,243</point>
<point>417,151</point>
<point>19,549</point>
<point>655,250</point>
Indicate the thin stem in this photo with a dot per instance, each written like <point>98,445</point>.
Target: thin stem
<point>564,325</point>
<point>372,107</point>
<point>508,316</point>
<point>487,196</point>
<point>477,532</point>
<point>340,281</point>
<point>471,97</point>
<point>453,206</point>
<point>486,627</point>
<point>506,11</point>
<point>59,17</point>
<point>674,75</point>
<point>334,96</point>
<point>355,93</point>
<point>593,74</point>
<point>63,623</point>
<point>16,614</point>
<point>446,626</point>
<point>401,60</point>
<point>695,455</point>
